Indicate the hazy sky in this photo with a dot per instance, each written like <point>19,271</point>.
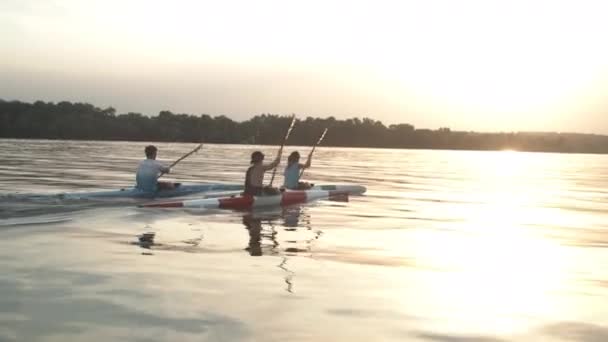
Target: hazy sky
<point>469,65</point>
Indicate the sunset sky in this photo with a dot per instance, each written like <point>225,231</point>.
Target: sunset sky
<point>469,65</point>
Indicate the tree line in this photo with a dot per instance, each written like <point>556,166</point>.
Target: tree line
<point>84,121</point>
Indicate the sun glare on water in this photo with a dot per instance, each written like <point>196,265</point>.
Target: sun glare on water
<point>499,273</point>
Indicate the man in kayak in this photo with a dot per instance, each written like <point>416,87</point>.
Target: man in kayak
<point>254,178</point>
<point>293,171</point>
<point>149,170</point>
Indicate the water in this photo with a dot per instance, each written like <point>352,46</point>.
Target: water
<point>445,246</point>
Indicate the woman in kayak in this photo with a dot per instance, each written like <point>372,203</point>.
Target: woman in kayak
<point>148,172</point>
<point>254,178</point>
<point>293,171</point>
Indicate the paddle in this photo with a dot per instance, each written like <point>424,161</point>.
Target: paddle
<point>313,149</point>
<point>183,157</point>
<point>293,122</point>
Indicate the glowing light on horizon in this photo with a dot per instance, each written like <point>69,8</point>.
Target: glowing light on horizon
<point>518,65</point>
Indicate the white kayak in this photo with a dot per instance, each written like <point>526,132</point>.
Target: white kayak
<point>179,190</point>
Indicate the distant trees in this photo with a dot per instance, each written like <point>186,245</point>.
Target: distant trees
<point>66,120</point>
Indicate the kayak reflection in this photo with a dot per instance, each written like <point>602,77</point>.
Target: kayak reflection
<point>290,222</point>
<point>254,225</point>
<point>279,233</point>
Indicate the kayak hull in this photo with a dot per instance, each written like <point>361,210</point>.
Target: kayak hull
<point>181,190</point>
<point>348,188</point>
<point>249,202</point>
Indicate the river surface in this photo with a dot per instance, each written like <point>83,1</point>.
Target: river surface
<point>444,246</point>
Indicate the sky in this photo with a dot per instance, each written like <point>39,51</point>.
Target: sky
<point>483,65</point>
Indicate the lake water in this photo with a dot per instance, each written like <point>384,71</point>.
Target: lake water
<point>444,246</point>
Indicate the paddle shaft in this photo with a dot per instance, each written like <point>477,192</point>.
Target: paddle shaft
<point>182,158</point>
<point>293,122</point>
<point>313,150</point>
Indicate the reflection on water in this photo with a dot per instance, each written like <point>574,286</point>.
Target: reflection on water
<point>289,276</point>
<point>445,246</point>
<point>285,232</point>
<point>254,226</point>
<point>264,240</point>
<point>263,231</point>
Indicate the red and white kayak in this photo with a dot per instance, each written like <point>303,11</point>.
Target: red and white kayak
<point>248,202</point>
<point>348,188</point>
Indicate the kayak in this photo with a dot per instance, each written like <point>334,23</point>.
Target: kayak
<point>179,190</point>
<point>248,202</point>
<point>348,188</point>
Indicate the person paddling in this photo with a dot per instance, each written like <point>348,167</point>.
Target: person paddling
<point>254,178</point>
<point>149,170</point>
<point>293,171</point>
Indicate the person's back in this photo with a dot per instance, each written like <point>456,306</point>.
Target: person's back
<point>149,170</point>
<point>254,178</point>
<point>292,176</point>
<point>292,171</point>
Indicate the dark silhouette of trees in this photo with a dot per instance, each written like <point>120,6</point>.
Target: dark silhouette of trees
<point>66,120</point>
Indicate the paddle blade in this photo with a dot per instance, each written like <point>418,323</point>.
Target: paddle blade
<point>293,123</point>
<point>322,136</point>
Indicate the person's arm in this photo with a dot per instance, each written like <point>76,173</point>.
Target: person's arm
<point>162,168</point>
<point>305,166</point>
<point>272,165</point>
